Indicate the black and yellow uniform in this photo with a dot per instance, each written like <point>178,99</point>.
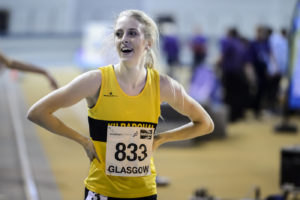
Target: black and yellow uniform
<point>122,130</point>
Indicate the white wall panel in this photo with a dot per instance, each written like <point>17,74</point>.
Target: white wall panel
<point>67,16</point>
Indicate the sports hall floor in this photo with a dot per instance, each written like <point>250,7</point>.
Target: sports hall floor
<point>228,168</point>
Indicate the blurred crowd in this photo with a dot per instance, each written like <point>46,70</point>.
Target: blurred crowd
<point>246,74</point>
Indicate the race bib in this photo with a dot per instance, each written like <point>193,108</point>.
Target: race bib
<point>128,151</point>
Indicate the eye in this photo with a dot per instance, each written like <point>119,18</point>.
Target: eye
<point>118,34</point>
<point>133,33</point>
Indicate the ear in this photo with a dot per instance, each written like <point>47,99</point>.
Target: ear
<point>148,45</point>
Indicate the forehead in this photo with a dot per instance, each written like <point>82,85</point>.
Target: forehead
<point>126,22</point>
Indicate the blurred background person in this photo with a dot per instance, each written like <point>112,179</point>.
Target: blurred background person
<point>170,47</point>
<point>6,62</point>
<point>277,67</point>
<point>231,64</point>
<point>258,58</point>
<point>198,46</point>
<point>205,86</point>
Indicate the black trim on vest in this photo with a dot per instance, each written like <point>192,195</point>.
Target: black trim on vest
<point>98,128</point>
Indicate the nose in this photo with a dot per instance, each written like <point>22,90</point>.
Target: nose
<point>125,39</point>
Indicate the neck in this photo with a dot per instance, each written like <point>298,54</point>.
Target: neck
<point>131,77</point>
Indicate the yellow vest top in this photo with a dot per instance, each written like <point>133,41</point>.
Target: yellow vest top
<point>115,109</point>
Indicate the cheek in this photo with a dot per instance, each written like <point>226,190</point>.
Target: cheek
<point>140,48</point>
<point>117,44</point>
<point>141,44</point>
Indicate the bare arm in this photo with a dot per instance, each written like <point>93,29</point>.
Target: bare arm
<point>14,64</point>
<point>201,123</point>
<point>41,113</point>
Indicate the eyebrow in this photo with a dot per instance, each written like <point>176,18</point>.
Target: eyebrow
<point>130,29</point>
<point>133,29</point>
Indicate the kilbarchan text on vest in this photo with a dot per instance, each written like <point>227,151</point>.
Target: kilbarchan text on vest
<point>131,124</point>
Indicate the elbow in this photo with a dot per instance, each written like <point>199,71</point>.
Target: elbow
<point>207,126</point>
<point>31,115</point>
<point>210,126</point>
<point>34,115</point>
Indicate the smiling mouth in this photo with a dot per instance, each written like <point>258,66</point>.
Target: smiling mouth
<point>126,50</point>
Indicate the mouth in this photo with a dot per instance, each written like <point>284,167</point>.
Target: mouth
<point>126,50</point>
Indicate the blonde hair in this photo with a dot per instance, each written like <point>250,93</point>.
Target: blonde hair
<point>150,31</point>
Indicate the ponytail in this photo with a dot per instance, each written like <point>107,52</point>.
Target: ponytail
<point>150,59</point>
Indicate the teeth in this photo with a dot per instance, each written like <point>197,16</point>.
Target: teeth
<point>126,49</point>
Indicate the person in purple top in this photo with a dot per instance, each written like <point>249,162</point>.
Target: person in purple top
<point>231,63</point>
<point>258,57</point>
<point>170,47</point>
<point>198,45</point>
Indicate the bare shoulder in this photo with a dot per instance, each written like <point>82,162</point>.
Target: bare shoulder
<point>86,83</point>
<point>168,88</point>
<point>164,86</point>
<point>165,83</point>
<point>92,75</point>
<point>94,84</point>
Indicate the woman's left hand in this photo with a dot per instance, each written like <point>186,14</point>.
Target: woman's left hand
<point>90,150</point>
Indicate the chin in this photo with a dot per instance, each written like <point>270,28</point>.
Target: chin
<point>128,62</point>
<point>127,58</point>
